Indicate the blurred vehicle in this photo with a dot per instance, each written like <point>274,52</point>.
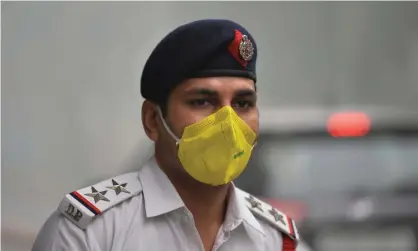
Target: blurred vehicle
<point>350,179</point>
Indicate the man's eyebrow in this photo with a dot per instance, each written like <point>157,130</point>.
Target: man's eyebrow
<point>245,93</point>
<point>211,92</point>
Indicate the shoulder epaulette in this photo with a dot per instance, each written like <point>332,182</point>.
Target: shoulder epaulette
<point>83,205</point>
<point>270,214</point>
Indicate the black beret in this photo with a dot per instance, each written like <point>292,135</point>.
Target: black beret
<point>204,48</point>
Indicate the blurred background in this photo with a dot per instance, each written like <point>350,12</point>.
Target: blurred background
<point>338,95</point>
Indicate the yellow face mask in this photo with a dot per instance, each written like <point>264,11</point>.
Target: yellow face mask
<point>215,150</point>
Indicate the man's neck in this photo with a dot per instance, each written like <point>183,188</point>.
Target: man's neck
<point>207,203</point>
<point>204,202</point>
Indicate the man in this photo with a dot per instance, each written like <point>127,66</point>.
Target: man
<point>200,110</point>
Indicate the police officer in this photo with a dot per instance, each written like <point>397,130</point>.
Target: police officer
<point>200,110</point>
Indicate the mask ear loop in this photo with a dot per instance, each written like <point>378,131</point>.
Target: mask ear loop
<point>255,144</point>
<point>160,114</point>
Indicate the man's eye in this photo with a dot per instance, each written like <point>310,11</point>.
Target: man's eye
<point>199,102</point>
<point>244,104</point>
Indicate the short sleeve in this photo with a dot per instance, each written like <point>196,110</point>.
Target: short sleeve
<point>59,234</point>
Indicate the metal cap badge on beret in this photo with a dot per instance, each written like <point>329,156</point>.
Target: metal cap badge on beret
<point>204,48</point>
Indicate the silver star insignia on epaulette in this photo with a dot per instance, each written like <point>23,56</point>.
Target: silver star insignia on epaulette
<point>97,196</point>
<point>277,216</point>
<point>254,203</point>
<point>118,188</point>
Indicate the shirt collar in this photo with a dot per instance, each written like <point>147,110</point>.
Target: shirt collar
<point>160,196</point>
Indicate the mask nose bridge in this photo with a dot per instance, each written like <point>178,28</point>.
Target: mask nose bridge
<point>224,112</point>
<point>230,117</point>
<point>230,120</point>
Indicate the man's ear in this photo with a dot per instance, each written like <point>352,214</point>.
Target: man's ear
<point>150,119</point>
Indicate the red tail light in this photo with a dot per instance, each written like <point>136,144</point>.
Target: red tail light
<point>348,124</point>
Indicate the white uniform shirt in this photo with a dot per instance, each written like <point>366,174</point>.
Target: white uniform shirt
<point>154,219</point>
